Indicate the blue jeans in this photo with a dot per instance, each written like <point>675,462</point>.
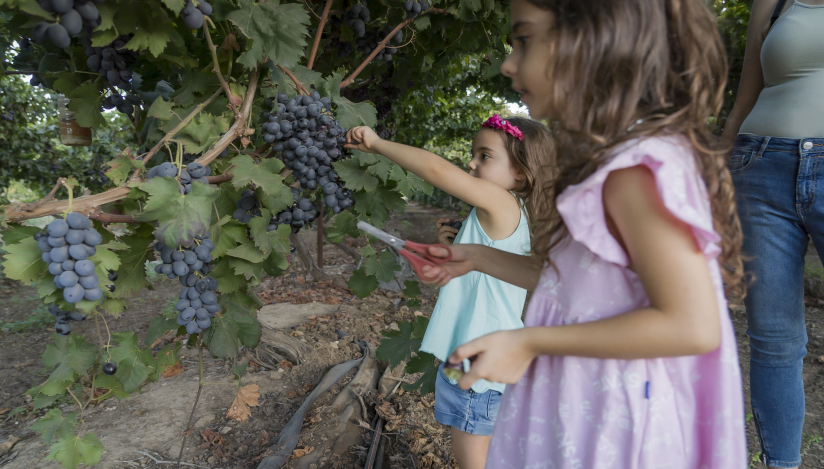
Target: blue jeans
<point>776,180</point>
<point>466,410</point>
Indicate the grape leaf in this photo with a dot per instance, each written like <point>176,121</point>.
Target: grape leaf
<point>175,5</point>
<point>345,224</point>
<point>111,385</point>
<point>264,175</point>
<point>252,271</point>
<point>74,450</point>
<point>382,266</point>
<point>201,132</point>
<point>248,251</point>
<point>159,326</point>
<point>86,103</point>
<point>181,217</point>
<point>228,281</point>
<point>355,176</point>
<point>422,363</point>
<point>133,365</point>
<point>367,251</point>
<point>41,401</point>
<point>277,201</point>
<point>226,200</point>
<point>72,355</point>
<point>349,114</point>
<point>226,234</point>
<point>120,169</point>
<point>228,331</point>
<point>131,275</point>
<point>268,240</point>
<point>166,357</point>
<point>23,261</point>
<point>362,284</point>
<point>278,32</point>
<point>397,346</point>
<point>246,396</point>
<point>55,388</point>
<point>54,425</point>
<point>161,109</point>
<point>114,306</point>
<point>379,203</point>
<point>381,169</point>
<point>155,39</point>
<point>408,182</point>
<point>16,232</point>
<point>412,290</point>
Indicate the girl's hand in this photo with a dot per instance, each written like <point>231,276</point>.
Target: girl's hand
<point>446,234</point>
<point>502,357</point>
<point>462,263</point>
<point>362,138</point>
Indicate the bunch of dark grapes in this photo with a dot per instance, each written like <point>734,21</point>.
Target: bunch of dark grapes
<point>414,8</point>
<point>66,247</point>
<point>113,62</point>
<point>248,207</point>
<point>303,130</point>
<point>62,325</point>
<point>124,104</point>
<point>367,44</point>
<point>193,15</point>
<point>198,302</point>
<point>300,213</point>
<point>356,17</point>
<point>182,261</point>
<point>193,172</point>
<point>71,16</point>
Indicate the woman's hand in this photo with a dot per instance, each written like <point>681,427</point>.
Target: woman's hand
<point>446,234</point>
<point>502,357</point>
<point>462,262</point>
<point>362,138</point>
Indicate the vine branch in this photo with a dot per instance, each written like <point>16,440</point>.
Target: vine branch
<point>319,33</point>
<point>382,45</point>
<point>20,72</point>
<point>298,84</point>
<point>216,67</point>
<point>33,205</point>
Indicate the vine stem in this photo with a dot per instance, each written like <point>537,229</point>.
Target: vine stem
<point>298,84</point>
<point>216,67</point>
<point>197,398</point>
<point>33,205</point>
<point>382,45</point>
<point>318,34</point>
<point>15,214</point>
<point>19,72</point>
<point>80,405</point>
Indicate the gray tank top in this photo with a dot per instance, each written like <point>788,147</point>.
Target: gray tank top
<point>791,104</point>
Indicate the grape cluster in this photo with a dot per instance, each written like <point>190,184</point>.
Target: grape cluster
<point>193,172</point>
<point>113,62</point>
<point>124,104</point>
<point>198,302</point>
<point>300,213</point>
<point>71,16</point>
<point>193,15</point>
<point>457,224</point>
<point>181,262</point>
<point>367,44</point>
<point>66,247</point>
<point>303,130</point>
<point>414,7</point>
<point>356,17</point>
<point>248,207</point>
<point>62,325</point>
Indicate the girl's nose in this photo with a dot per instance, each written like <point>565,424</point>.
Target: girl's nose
<point>471,165</point>
<point>508,68</point>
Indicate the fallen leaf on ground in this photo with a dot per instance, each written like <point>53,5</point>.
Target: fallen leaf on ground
<point>285,364</point>
<point>299,453</point>
<point>4,410</point>
<point>212,439</point>
<point>246,396</point>
<point>264,438</point>
<point>8,444</point>
<point>173,370</point>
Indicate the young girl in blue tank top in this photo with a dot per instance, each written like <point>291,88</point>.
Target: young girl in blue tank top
<point>508,167</point>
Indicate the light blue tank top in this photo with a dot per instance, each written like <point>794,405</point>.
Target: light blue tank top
<point>477,304</point>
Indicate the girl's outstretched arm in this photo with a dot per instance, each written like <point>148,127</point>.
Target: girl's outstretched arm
<point>437,171</point>
<point>521,271</point>
<point>683,317</point>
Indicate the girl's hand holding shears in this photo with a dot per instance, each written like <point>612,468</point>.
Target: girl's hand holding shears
<point>502,357</point>
<point>460,263</point>
<point>362,138</point>
<point>415,253</point>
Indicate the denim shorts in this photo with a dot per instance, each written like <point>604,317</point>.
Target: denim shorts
<point>468,411</point>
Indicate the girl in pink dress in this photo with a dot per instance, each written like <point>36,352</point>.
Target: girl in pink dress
<point>628,358</point>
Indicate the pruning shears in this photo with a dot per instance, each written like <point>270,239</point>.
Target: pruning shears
<point>417,254</point>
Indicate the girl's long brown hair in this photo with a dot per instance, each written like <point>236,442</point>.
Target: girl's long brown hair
<point>615,62</point>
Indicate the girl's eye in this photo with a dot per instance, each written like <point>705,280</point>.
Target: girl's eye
<point>485,156</point>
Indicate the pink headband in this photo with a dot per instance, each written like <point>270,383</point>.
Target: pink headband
<point>496,122</point>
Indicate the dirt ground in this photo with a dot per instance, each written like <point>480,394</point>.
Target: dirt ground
<point>146,430</point>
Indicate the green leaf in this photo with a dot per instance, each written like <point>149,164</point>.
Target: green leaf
<point>349,114</point>
<point>238,370</point>
<point>422,363</point>
<point>111,385</point>
<point>381,169</point>
<point>55,388</point>
<point>159,326</point>
<point>355,176</point>
<point>131,276</point>
<point>345,224</point>
<point>228,281</point>
<point>249,252</point>
<point>408,182</point>
<point>278,32</point>
<point>120,169</point>
<point>175,5</point>
<point>41,401</point>
<point>17,232</point>
<point>133,365</point>
<point>367,251</point>
<point>397,346</point>
<point>264,175</point>
<point>226,234</point>
<point>276,202</point>
<point>378,204</point>
<point>161,109</point>
<point>53,426</point>
<point>166,357</point>
<point>72,355</point>
<point>154,40</point>
<point>362,284</point>
<point>86,103</point>
<point>74,450</point>
<point>24,261</point>
<point>412,290</point>
<point>181,217</point>
<point>229,331</point>
<point>382,266</point>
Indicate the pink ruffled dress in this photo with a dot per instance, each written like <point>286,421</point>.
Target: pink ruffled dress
<point>571,412</point>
